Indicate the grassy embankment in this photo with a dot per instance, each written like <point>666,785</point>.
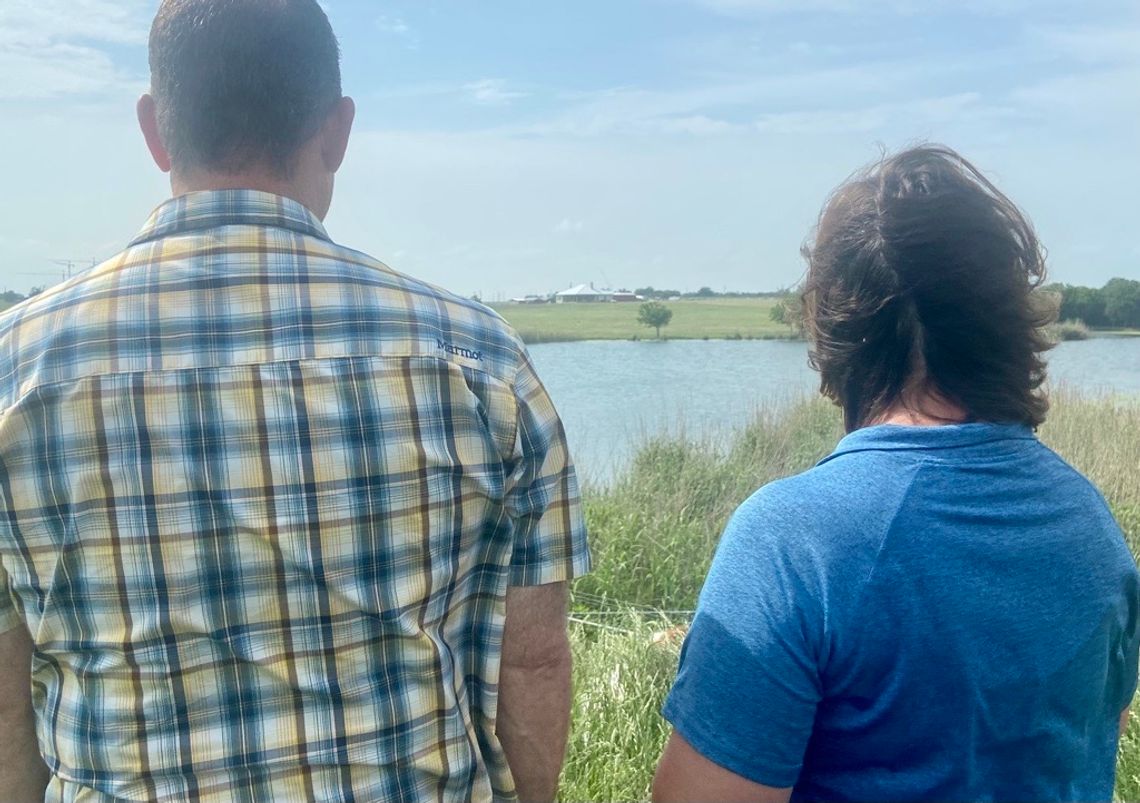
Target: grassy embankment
<point>693,319</point>
<point>655,528</point>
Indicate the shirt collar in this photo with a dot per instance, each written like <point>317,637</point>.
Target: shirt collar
<point>893,437</point>
<point>197,211</point>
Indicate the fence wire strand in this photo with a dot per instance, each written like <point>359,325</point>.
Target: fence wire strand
<point>598,609</point>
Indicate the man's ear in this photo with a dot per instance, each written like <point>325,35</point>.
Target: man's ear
<point>148,122</point>
<point>335,133</point>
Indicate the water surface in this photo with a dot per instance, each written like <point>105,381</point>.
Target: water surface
<point>612,394</point>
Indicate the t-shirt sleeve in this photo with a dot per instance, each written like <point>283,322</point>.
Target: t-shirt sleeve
<point>749,681</point>
<point>542,494</point>
<point>9,616</point>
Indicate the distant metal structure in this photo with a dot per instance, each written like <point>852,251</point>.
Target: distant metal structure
<point>68,265</point>
<point>68,268</point>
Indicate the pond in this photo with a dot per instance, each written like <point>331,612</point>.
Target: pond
<point>613,394</point>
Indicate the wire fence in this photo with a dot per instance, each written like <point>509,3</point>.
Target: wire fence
<point>601,612</point>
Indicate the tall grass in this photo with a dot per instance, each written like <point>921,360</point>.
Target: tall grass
<point>621,676</point>
<point>654,531</point>
<point>1068,330</point>
<point>1101,438</point>
<point>656,526</point>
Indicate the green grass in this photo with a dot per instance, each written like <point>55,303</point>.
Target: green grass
<point>693,319</point>
<point>617,735</point>
<point>654,530</point>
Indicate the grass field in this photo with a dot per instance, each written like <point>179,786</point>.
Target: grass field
<point>654,530</point>
<point>693,319</point>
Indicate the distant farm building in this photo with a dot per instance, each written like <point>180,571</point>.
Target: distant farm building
<point>583,294</point>
<point>626,296</point>
<point>529,299</point>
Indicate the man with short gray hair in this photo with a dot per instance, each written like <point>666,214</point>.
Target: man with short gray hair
<point>278,523</point>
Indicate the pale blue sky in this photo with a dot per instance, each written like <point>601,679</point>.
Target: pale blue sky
<point>510,147</point>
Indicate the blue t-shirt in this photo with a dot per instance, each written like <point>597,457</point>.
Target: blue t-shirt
<point>938,613</point>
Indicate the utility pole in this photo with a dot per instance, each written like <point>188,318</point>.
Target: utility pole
<point>68,269</point>
<point>68,265</point>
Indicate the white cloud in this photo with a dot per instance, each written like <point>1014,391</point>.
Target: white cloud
<point>50,48</point>
<point>485,92</point>
<point>860,97</point>
<point>492,92</point>
<point>568,226</point>
<point>1090,44</point>
<point>921,112</point>
<point>696,125</point>
<point>397,27</point>
<point>56,69</point>
<point>122,21</point>
<point>737,7</point>
<point>1084,97</point>
<point>904,7</point>
<point>687,110</point>
<point>393,25</point>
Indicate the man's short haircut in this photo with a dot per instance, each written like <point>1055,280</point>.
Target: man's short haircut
<point>922,270</point>
<point>241,83</point>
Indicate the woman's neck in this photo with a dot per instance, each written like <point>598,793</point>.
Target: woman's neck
<point>927,410</point>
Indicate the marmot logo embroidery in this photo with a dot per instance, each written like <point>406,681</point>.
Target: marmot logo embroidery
<point>459,351</point>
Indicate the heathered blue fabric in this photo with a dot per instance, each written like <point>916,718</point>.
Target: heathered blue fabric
<point>932,613</point>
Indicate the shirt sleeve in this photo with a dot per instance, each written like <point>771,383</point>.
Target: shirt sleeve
<point>749,682</point>
<point>542,493</point>
<point>9,616</point>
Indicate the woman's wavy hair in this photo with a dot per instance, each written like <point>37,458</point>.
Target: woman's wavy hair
<point>921,277</point>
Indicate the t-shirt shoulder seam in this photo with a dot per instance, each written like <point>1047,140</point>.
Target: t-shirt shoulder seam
<point>916,469</point>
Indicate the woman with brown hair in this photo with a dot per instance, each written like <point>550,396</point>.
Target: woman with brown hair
<point>942,609</point>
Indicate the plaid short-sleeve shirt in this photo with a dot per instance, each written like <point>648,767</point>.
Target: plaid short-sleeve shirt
<point>261,501</point>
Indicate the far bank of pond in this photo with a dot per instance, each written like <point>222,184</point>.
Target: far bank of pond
<point>706,318</point>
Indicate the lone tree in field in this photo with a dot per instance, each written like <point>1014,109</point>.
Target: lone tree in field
<point>655,314</point>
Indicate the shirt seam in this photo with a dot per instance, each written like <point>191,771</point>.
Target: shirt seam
<point>865,584</point>
<point>156,234</point>
<point>924,457</point>
<point>43,386</point>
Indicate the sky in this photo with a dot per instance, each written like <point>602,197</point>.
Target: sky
<point>504,148</point>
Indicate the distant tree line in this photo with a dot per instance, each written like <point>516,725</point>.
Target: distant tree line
<point>705,292</point>
<point>10,298</point>
<point>1116,305</point>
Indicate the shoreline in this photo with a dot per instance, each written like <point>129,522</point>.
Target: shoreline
<point>543,341</point>
<point>1095,334</point>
